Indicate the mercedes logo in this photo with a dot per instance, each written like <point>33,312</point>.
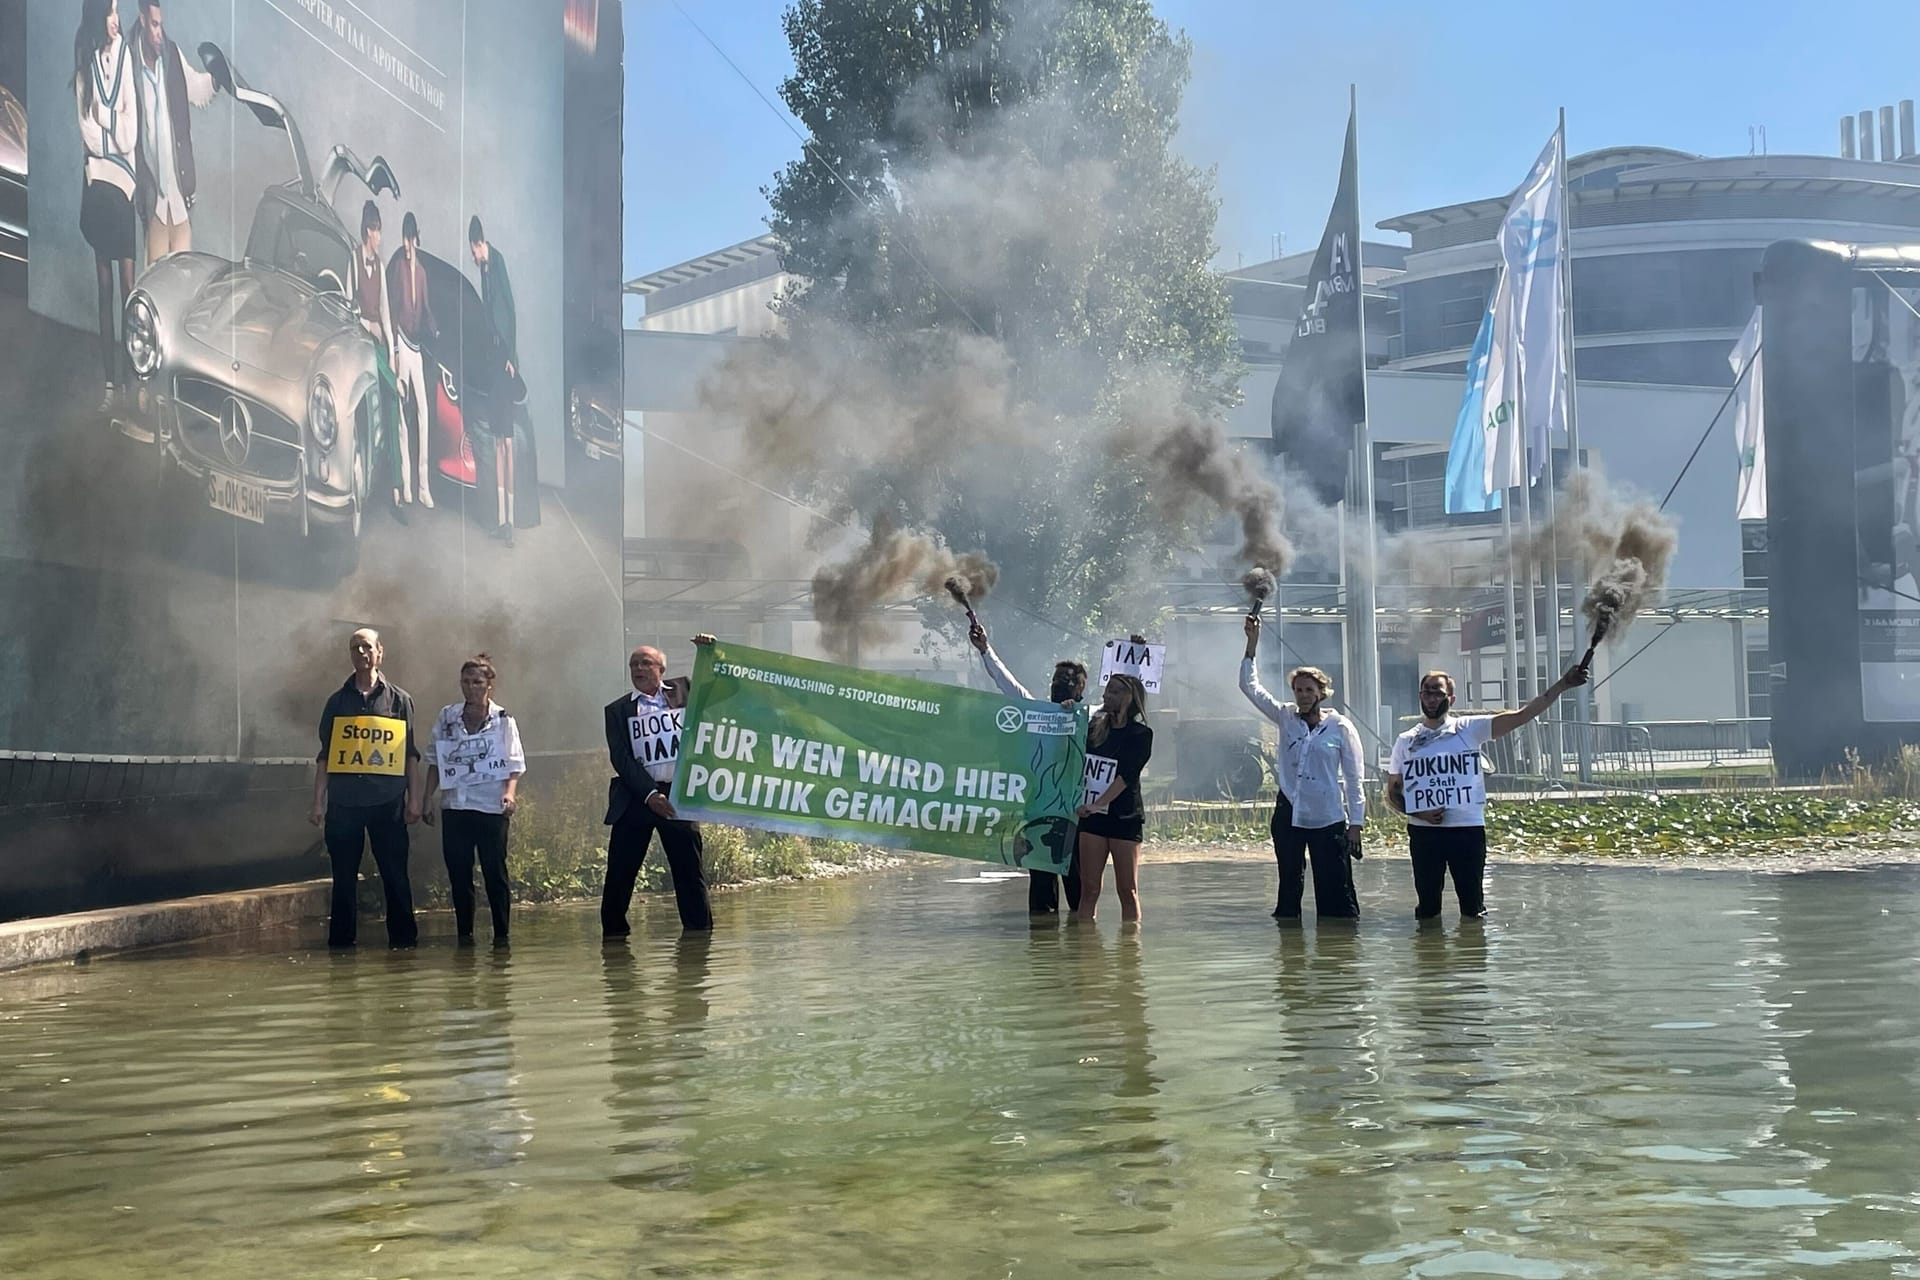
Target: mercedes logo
<point>1010,720</point>
<point>236,430</point>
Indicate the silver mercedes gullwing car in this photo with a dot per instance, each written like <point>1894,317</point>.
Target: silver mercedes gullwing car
<point>256,378</point>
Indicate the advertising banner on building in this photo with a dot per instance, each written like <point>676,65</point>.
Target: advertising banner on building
<point>310,312</point>
<point>811,748</point>
<point>1886,354</point>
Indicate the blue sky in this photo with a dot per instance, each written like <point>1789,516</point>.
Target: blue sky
<point>1455,100</point>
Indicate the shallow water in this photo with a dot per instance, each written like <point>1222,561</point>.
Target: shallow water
<point>1623,1073</point>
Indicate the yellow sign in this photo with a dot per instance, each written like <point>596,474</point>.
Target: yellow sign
<point>368,744</point>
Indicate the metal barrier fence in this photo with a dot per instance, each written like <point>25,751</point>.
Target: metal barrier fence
<point>1618,756</point>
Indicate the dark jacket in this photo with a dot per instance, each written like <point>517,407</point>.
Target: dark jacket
<point>631,784</point>
<point>178,115</point>
<point>496,290</point>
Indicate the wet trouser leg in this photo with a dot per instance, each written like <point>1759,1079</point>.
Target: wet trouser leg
<point>492,848</point>
<point>1441,851</point>
<point>1043,893</point>
<point>457,841</point>
<point>345,833</point>
<point>1334,897</point>
<point>1290,852</point>
<point>387,833</point>
<point>627,850</point>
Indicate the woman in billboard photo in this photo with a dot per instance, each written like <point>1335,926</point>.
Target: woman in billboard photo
<point>106,95</point>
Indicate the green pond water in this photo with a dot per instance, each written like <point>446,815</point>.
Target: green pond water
<point>1622,1073</point>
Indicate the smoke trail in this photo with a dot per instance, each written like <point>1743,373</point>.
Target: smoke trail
<point>894,564</point>
<point>1628,540</point>
<point>1259,584</point>
<point>1195,471</point>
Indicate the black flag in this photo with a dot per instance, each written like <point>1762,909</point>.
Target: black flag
<point>1322,391</point>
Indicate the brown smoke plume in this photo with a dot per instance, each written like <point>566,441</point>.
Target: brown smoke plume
<point>893,564</point>
<point>1194,467</point>
<point>1629,542</point>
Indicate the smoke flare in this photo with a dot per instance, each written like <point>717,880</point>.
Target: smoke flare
<point>894,564</point>
<point>1259,583</point>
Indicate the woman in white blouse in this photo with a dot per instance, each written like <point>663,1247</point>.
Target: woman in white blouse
<point>476,762</point>
<point>107,97</point>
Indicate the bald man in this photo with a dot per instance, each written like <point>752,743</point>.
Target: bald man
<point>643,748</point>
<point>367,789</point>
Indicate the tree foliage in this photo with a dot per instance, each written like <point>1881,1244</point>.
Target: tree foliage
<point>1004,172</point>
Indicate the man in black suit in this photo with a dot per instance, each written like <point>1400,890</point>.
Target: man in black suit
<point>638,800</point>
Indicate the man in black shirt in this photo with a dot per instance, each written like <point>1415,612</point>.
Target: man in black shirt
<point>367,787</point>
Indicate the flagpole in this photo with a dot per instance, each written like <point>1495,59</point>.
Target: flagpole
<point>1583,699</point>
<point>1366,610</point>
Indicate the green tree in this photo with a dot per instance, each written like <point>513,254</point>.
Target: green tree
<point>981,169</point>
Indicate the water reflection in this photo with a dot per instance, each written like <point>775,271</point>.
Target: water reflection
<point>1620,1073</point>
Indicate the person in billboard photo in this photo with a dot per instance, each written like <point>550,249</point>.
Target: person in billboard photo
<point>108,101</point>
<point>413,329</point>
<point>370,295</point>
<point>496,293</point>
<point>170,89</point>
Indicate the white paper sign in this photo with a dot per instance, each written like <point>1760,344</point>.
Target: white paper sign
<point>656,740</point>
<point>1443,780</point>
<point>1124,657</point>
<point>464,761</point>
<point>1097,777</point>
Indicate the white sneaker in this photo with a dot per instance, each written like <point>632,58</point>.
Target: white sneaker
<point>109,401</point>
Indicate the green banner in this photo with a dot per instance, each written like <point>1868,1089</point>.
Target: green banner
<point>810,748</point>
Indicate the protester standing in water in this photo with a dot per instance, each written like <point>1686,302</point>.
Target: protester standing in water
<point>1113,819</point>
<point>477,756</point>
<point>639,800</point>
<point>1435,779</point>
<point>366,790</point>
<point>1321,807</point>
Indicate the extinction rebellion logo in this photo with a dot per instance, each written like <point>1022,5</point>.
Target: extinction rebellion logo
<point>1010,720</point>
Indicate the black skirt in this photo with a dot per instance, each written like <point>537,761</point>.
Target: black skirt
<point>1108,827</point>
<point>106,220</point>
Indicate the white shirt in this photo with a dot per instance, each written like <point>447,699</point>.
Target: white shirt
<point>496,744</point>
<point>1003,678</point>
<point>1318,765</point>
<point>1442,769</point>
<point>169,205</point>
<point>111,130</point>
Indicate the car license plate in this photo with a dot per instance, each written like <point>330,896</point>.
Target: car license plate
<point>238,498</point>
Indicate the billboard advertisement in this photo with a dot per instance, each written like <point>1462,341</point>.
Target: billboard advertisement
<point>1886,358</point>
<point>309,307</point>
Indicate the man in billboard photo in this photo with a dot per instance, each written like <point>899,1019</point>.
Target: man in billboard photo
<point>370,295</point>
<point>496,292</point>
<point>170,88</point>
<point>413,329</point>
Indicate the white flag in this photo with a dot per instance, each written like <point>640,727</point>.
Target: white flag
<point>1526,399</point>
<point>1749,424</point>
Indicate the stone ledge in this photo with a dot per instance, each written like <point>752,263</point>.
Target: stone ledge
<point>50,939</point>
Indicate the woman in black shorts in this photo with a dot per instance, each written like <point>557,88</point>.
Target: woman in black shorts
<point>1113,820</point>
<point>106,96</point>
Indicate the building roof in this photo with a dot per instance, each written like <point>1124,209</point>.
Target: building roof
<point>705,265</point>
<point>1657,172</point>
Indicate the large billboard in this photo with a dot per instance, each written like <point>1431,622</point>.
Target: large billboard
<point>265,383</point>
<point>1886,359</point>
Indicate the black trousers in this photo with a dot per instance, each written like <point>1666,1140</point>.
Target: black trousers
<point>464,835</point>
<point>348,829</point>
<point>1043,891</point>
<point>1334,897</point>
<point>1438,852</point>
<point>627,849</point>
